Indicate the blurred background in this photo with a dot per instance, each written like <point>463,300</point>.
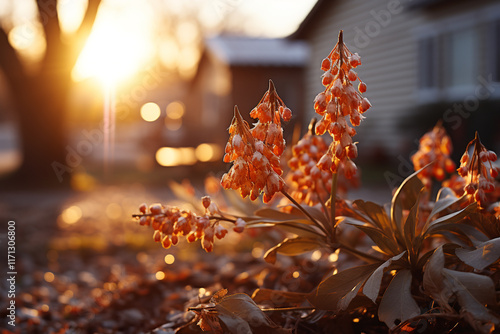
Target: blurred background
<point>126,91</point>
<point>104,102</point>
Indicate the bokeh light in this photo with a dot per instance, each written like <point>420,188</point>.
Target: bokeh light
<point>208,152</point>
<point>173,124</point>
<point>175,110</point>
<point>169,156</point>
<point>169,259</point>
<point>72,214</point>
<point>48,277</point>
<point>160,275</point>
<point>150,112</point>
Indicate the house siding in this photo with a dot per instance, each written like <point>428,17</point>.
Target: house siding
<point>389,62</point>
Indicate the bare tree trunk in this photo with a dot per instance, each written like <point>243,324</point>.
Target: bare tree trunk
<point>40,99</point>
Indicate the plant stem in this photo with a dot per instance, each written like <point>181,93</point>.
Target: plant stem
<point>286,309</point>
<point>357,253</point>
<point>333,197</point>
<point>304,211</point>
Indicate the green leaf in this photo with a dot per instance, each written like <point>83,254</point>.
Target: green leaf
<point>334,289</point>
<point>397,304</point>
<point>292,247</point>
<point>371,288</point>
<point>482,256</point>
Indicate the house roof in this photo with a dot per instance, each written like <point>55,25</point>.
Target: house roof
<point>259,51</point>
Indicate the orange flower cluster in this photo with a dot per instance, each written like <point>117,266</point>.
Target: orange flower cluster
<point>435,146</point>
<point>338,101</point>
<point>169,223</point>
<point>478,171</point>
<point>312,184</point>
<point>256,152</point>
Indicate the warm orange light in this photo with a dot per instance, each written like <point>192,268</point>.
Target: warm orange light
<point>150,112</point>
<point>120,42</point>
<point>175,110</point>
<point>208,152</point>
<point>170,156</point>
<point>71,215</point>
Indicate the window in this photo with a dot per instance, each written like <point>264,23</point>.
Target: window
<point>462,59</point>
<point>428,69</point>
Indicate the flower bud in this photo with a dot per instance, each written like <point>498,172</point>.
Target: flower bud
<point>326,64</point>
<point>205,200</point>
<point>156,209</point>
<point>239,225</point>
<point>362,87</point>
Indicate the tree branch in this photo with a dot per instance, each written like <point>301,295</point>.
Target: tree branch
<point>49,18</point>
<point>85,28</point>
<point>10,63</point>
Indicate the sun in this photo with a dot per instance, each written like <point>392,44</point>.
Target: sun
<point>120,42</point>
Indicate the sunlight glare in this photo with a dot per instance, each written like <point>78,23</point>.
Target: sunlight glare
<point>120,42</point>
<point>71,14</point>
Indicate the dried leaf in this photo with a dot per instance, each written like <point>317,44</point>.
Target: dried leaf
<point>482,256</point>
<point>409,229</point>
<point>404,198</point>
<point>334,289</point>
<point>452,218</point>
<point>292,247</point>
<point>371,288</point>
<point>276,215</point>
<point>433,280</point>
<point>374,213</point>
<point>472,291</point>
<point>278,298</point>
<point>445,198</point>
<point>397,304</point>
<point>387,244</point>
<point>240,314</point>
<point>209,322</point>
<point>217,297</point>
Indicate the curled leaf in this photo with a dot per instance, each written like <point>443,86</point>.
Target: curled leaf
<point>397,304</point>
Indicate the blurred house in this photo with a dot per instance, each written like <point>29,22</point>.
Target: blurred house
<point>423,60</point>
<point>236,71</point>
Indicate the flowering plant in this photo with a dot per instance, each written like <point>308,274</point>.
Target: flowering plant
<point>419,262</point>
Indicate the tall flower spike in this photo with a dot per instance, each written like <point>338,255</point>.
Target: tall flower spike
<point>256,166</point>
<point>478,171</point>
<point>435,146</point>
<point>338,101</point>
